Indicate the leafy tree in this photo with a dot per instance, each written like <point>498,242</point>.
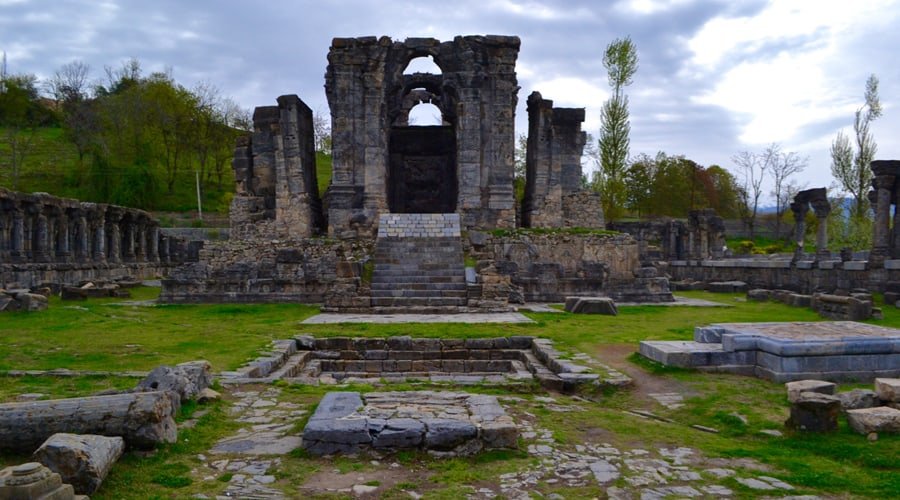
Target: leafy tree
<point>620,61</point>
<point>322,133</point>
<point>851,169</point>
<point>20,116</point>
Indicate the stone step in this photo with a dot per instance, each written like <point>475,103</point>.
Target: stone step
<point>417,301</point>
<point>417,285</point>
<point>418,276</point>
<point>420,293</point>
<point>416,268</point>
<point>392,283</point>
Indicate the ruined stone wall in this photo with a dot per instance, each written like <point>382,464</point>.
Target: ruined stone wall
<point>263,270</point>
<point>366,91</point>
<point>275,174</point>
<point>551,267</point>
<point>803,277</point>
<point>45,239</point>
<point>554,196</point>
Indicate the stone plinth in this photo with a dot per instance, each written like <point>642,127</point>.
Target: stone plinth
<point>814,412</point>
<point>444,423</point>
<point>833,351</point>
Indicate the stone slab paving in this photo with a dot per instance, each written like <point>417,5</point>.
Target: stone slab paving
<point>332,318</point>
<point>251,455</point>
<point>624,472</point>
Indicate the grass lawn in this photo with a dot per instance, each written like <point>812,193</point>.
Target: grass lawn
<point>100,335</point>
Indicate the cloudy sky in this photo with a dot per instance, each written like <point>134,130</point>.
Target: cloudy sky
<point>716,76</point>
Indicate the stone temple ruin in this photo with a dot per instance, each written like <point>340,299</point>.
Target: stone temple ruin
<point>407,204</point>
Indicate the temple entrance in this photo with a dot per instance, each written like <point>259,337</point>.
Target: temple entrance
<point>423,169</point>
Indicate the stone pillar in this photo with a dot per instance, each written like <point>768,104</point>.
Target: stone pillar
<point>822,208</point>
<point>63,248</point>
<point>799,209</point>
<point>884,187</point>
<point>140,241</point>
<point>99,246</point>
<point>153,243</point>
<point>17,235</point>
<point>128,238</point>
<point>113,235</point>
<point>41,238</point>
<point>82,242</point>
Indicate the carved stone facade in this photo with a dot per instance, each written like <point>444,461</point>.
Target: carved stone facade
<point>275,173</point>
<point>48,239</point>
<point>370,99</point>
<point>554,195</point>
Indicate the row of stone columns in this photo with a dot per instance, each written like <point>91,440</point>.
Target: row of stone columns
<point>39,228</point>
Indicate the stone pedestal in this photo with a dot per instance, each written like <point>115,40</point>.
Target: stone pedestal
<point>33,481</point>
<point>814,412</point>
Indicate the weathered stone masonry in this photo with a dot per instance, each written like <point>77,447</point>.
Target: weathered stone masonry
<point>368,94</point>
<point>554,196</point>
<point>45,239</point>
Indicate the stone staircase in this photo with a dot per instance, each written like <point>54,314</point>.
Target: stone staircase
<point>419,264</point>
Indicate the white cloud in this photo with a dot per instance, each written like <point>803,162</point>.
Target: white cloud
<point>648,7</point>
<point>536,10</point>
<point>570,91</point>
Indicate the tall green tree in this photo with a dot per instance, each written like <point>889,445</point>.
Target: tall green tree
<point>621,63</point>
<point>20,116</point>
<point>849,167</point>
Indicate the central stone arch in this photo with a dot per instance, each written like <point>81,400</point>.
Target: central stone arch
<point>422,163</point>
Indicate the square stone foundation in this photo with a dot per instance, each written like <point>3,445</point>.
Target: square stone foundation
<point>782,352</point>
<point>443,423</point>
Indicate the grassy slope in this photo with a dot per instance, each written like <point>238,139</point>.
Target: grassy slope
<point>99,338</point>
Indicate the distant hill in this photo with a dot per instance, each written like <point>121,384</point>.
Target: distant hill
<point>52,166</point>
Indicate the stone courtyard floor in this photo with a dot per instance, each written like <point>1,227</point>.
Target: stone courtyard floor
<point>253,460</point>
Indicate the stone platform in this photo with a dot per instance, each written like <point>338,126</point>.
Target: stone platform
<point>500,360</point>
<point>782,352</point>
<point>444,423</point>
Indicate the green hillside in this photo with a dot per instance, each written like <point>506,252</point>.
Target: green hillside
<point>52,166</point>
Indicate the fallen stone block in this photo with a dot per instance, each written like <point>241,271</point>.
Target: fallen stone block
<point>727,286</point>
<point>33,481</point>
<point>814,412</point>
<point>888,389</point>
<point>185,379</point>
<point>82,460</point>
<point>143,420</point>
<point>858,399</point>
<point>208,395</point>
<point>758,294</point>
<point>31,302</point>
<point>795,389</point>
<point>878,419</point>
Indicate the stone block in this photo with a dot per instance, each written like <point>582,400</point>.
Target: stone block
<point>858,399</point>
<point>795,389</point>
<point>888,389</point>
<point>499,435</point>
<point>82,460</point>
<point>758,294</point>
<point>727,286</point>
<point>814,412</point>
<point>399,433</point>
<point>445,434</point>
<point>878,419</point>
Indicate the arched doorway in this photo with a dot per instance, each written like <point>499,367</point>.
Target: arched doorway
<point>422,146</point>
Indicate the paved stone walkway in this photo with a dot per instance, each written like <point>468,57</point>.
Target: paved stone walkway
<point>250,459</point>
<point>331,318</point>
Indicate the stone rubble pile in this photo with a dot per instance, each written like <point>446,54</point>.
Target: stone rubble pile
<point>816,407</point>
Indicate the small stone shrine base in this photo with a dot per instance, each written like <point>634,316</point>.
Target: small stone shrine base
<point>782,352</point>
<point>444,423</point>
